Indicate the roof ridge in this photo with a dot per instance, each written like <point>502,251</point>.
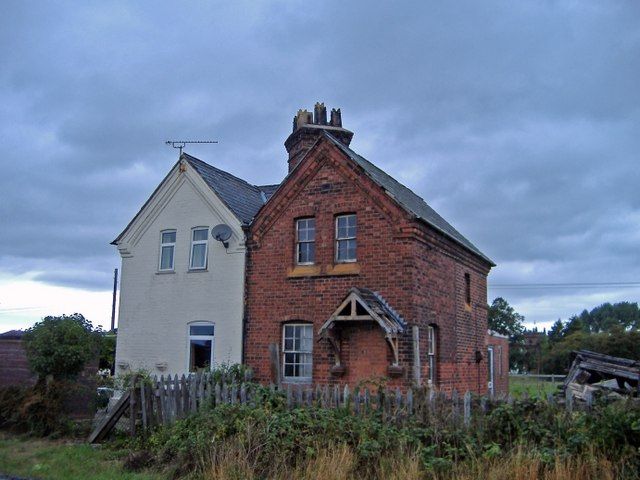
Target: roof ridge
<point>220,170</point>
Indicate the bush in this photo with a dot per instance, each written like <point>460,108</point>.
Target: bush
<point>61,346</point>
<point>38,410</point>
<point>278,440</point>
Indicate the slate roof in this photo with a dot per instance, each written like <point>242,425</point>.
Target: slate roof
<point>12,335</point>
<point>408,199</point>
<point>242,198</point>
<point>269,190</point>
<point>388,319</point>
<point>380,306</point>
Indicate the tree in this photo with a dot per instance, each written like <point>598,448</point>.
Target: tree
<point>504,320</point>
<point>61,346</point>
<point>556,332</point>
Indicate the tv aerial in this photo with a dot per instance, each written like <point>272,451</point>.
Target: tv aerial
<point>222,233</point>
<point>180,144</point>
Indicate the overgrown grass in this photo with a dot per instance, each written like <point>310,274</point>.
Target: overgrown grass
<point>57,460</point>
<point>533,387</point>
<point>340,463</point>
<point>526,439</point>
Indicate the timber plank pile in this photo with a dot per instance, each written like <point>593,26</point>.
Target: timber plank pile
<point>594,373</point>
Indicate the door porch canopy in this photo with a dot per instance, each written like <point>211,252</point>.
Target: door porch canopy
<point>364,305</point>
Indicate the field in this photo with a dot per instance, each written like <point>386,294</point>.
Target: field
<point>60,460</point>
<point>534,387</point>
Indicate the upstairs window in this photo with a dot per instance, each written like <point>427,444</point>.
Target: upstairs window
<point>167,249</point>
<point>306,241</point>
<point>297,351</point>
<point>431,353</point>
<point>199,238</point>
<point>200,346</point>
<point>346,238</point>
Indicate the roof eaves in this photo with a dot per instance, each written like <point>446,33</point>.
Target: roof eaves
<point>144,205</point>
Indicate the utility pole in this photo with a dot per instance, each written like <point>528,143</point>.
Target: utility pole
<point>113,303</point>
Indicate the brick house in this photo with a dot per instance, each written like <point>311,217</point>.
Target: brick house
<point>351,276</point>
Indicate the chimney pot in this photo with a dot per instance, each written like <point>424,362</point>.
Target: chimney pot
<point>307,127</point>
<point>320,114</point>
<point>336,118</point>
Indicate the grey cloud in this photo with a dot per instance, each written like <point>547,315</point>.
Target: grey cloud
<point>519,122</point>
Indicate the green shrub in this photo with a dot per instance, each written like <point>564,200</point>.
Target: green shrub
<point>38,410</point>
<point>275,435</point>
<point>61,346</point>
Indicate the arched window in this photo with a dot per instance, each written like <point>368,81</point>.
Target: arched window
<point>200,346</point>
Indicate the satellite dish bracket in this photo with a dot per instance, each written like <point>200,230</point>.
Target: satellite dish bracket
<point>222,233</point>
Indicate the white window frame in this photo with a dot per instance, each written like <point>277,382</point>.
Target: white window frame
<point>299,242</point>
<point>431,353</point>
<point>199,242</point>
<point>167,245</point>
<point>303,379</point>
<point>342,239</point>
<point>200,337</point>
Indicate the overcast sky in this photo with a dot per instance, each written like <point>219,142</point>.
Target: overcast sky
<point>519,122</point>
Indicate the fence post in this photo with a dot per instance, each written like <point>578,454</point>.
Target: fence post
<point>467,409</point>
<point>132,406</point>
<point>588,397</point>
<point>484,407</point>
<point>454,404</point>
<point>568,400</point>
<point>274,356</point>
<point>417,371</point>
<point>143,405</point>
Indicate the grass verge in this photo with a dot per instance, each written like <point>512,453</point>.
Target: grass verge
<point>59,460</point>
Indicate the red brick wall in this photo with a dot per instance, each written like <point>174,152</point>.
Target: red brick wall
<point>14,367</point>
<point>500,363</point>
<point>417,271</point>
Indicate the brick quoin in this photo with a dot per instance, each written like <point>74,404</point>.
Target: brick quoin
<point>419,271</point>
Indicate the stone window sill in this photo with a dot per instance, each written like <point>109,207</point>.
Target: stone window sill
<point>165,272</point>
<point>304,271</point>
<point>198,270</point>
<point>351,268</point>
<point>317,271</point>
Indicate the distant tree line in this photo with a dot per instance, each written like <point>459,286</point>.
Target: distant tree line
<point>612,329</point>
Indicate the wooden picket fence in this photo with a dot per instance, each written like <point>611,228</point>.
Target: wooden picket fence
<point>162,401</point>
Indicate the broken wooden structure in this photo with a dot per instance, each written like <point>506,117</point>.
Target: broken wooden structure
<point>597,374</point>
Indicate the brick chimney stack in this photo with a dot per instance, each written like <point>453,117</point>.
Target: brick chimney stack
<point>308,127</point>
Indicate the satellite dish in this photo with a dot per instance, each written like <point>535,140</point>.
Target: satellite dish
<point>222,233</point>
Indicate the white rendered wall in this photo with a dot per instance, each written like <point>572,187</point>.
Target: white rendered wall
<point>157,308</point>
